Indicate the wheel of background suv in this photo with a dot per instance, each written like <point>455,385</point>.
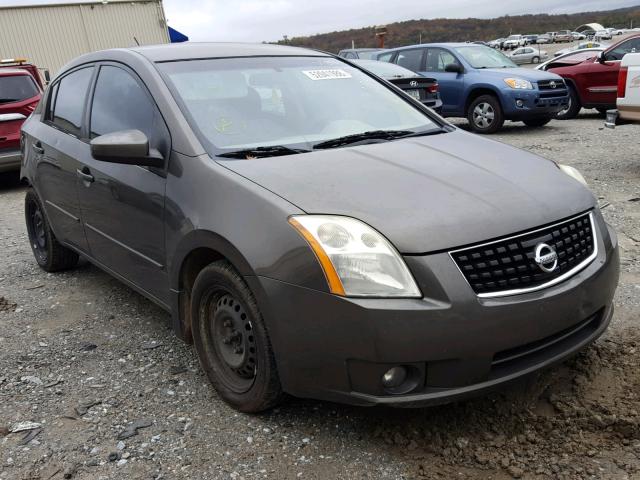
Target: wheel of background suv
<point>535,60</point>
<point>537,122</point>
<point>49,253</point>
<point>485,114</point>
<point>232,341</point>
<point>572,109</point>
<point>602,111</point>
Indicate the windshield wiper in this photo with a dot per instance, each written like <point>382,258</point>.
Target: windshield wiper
<point>7,100</point>
<point>256,152</point>
<point>359,137</point>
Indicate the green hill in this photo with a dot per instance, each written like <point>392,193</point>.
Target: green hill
<point>468,29</point>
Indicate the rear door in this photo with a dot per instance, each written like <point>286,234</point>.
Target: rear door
<point>451,84</point>
<point>54,146</point>
<point>123,205</point>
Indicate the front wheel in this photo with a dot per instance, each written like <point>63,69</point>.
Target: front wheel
<point>572,109</point>
<point>537,122</point>
<point>49,253</point>
<point>485,114</point>
<point>232,340</point>
<point>535,60</point>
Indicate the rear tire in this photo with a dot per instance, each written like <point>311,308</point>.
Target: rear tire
<point>537,122</point>
<point>485,114</point>
<point>232,340</point>
<point>602,111</point>
<point>574,106</point>
<point>49,253</point>
<point>535,60</point>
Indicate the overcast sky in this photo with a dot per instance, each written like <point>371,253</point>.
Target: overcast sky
<point>258,20</point>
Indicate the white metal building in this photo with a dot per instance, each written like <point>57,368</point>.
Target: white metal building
<point>51,35</point>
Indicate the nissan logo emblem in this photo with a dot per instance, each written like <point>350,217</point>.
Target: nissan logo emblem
<point>546,257</point>
<point>413,83</point>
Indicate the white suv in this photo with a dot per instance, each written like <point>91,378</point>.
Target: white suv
<point>514,41</point>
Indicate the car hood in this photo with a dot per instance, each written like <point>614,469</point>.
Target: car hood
<point>526,73</point>
<point>427,193</point>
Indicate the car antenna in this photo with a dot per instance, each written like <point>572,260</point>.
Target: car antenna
<point>136,40</point>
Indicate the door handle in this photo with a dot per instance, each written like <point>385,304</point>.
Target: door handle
<point>37,147</point>
<point>86,177</point>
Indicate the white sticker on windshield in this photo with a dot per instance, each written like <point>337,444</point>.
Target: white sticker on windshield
<point>326,74</point>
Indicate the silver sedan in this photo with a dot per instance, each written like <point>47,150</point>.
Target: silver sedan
<point>528,55</point>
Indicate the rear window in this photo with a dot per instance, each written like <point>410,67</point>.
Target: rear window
<point>16,88</point>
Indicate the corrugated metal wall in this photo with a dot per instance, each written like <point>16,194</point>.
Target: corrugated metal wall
<point>52,35</point>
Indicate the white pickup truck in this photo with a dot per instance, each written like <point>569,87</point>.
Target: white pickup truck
<point>628,101</point>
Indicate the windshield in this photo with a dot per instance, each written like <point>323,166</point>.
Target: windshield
<point>15,88</point>
<point>385,69</point>
<point>297,102</point>
<point>484,57</point>
<point>368,55</point>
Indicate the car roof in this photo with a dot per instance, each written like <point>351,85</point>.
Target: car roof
<point>13,71</point>
<point>434,45</point>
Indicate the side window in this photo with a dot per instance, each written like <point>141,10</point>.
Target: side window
<point>410,59</point>
<point>520,51</point>
<point>438,59</point>
<point>385,57</point>
<point>631,46</point>
<point>68,99</point>
<point>120,103</point>
<point>350,55</point>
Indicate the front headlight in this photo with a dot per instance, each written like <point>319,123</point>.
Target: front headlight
<point>357,260</point>
<point>573,173</point>
<point>519,83</point>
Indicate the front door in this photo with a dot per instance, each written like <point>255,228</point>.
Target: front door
<point>450,84</point>
<point>123,205</point>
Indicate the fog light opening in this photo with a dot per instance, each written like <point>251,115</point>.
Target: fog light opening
<point>394,377</point>
<point>519,103</point>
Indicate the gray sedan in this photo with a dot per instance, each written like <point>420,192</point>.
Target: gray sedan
<point>527,55</point>
<point>311,229</point>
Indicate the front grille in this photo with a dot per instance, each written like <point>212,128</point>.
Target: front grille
<point>507,266</point>
<point>547,85</point>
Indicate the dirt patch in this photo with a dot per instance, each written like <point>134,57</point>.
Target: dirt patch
<point>6,305</point>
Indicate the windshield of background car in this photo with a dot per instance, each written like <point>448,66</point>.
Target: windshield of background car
<point>484,57</point>
<point>368,55</point>
<point>15,88</point>
<point>386,70</point>
<point>239,103</point>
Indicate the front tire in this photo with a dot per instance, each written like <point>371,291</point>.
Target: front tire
<point>232,340</point>
<point>574,106</point>
<point>49,253</point>
<point>485,114</point>
<point>535,60</point>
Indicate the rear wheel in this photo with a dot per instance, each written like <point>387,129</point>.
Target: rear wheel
<point>602,111</point>
<point>537,122</point>
<point>535,60</point>
<point>573,108</point>
<point>49,253</point>
<point>485,114</point>
<point>232,340</point>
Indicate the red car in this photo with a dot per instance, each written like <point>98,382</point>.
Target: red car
<point>20,91</point>
<point>594,81</point>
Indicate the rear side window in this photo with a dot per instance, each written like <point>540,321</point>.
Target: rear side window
<point>411,59</point>
<point>16,88</point>
<point>120,103</point>
<point>68,99</point>
<point>631,46</point>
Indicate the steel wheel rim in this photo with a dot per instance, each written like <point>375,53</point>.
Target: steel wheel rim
<point>37,231</point>
<point>483,115</point>
<point>230,334</point>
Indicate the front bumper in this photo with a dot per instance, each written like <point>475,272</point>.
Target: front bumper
<point>337,349</point>
<point>10,160</point>
<point>524,104</point>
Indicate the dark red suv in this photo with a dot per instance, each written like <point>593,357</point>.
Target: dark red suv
<point>20,92</point>
<point>594,81</point>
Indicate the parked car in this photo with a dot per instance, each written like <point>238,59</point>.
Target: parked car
<point>578,36</point>
<point>628,96</point>
<point>527,55</point>
<point>544,38</point>
<point>336,241</point>
<point>483,85</point>
<point>19,94</point>
<point>580,46</point>
<point>514,41</point>
<point>570,58</point>
<point>593,82</point>
<point>602,35</point>
<point>531,39</point>
<point>423,89</point>
<point>361,53</point>
<point>564,36</point>
<point>497,43</point>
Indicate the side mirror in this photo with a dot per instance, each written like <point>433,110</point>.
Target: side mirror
<point>128,147</point>
<point>453,68</point>
<point>47,76</point>
<point>601,58</point>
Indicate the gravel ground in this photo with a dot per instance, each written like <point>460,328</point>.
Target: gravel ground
<point>115,395</point>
